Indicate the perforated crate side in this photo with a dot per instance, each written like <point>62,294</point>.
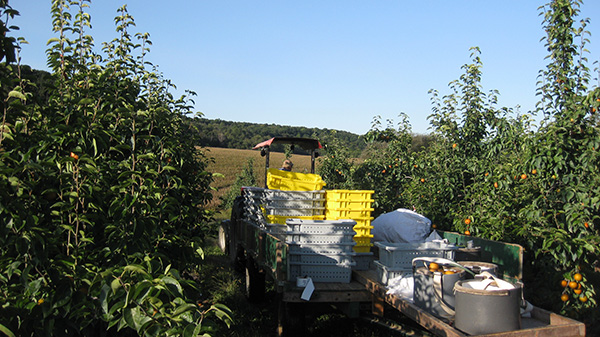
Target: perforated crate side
<point>320,259</point>
<point>319,238</point>
<point>337,273</point>
<point>362,260</point>
<point>323,248</point>
<point>351,195</point>
<point>353,204</point>
<point>348,213</point>
<point>386,274</point>
<point>322,226</point>
<point>272,194</point>
<point>295,203</point>
<point>280,219</point>
<point>292,212</point>
<point>400,255</point>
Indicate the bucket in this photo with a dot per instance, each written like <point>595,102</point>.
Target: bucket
<point>434,287</point>
<point>479,267</point>
<point>487,305</point>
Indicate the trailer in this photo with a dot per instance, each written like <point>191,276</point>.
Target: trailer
<point>260,254</point>
<point>263,255</point>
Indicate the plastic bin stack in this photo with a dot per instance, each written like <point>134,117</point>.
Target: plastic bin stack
<point>395,259</point>
<point>320,249</point>
<point>354,205</point>
<point>270,208</point>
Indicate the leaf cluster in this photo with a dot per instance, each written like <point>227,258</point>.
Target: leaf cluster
<point>102,192</point>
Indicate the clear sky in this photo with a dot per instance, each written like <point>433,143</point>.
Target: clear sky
<point>325,63</point>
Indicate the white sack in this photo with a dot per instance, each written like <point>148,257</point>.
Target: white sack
<point>401,226</point>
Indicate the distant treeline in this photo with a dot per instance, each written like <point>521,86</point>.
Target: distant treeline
<point>242,135</point>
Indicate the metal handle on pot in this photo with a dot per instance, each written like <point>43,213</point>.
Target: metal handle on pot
<point>440,260</point>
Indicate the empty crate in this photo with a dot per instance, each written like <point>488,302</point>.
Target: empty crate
<point>400,255</point>
<point>293,181</point>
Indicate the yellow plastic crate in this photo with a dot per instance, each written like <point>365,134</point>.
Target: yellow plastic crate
<point>348,204</point>
<point>363,240</point>
<point>280,219</point>
<point>362,230</point>
<point>349,195</point>
<point>293,181</point>
<point>360,221</point>
<point>348,213</point>
<point>363,249</point>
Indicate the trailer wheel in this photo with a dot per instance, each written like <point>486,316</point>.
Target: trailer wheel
<point>223,238</point>
<point>255,281</point>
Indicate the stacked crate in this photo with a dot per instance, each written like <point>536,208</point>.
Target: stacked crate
<point>271,208</point>
<point>354,205</point>
<point>320,249</point>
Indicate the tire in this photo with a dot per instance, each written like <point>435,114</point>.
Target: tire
<point>223,238</point>
<point>255,282</point>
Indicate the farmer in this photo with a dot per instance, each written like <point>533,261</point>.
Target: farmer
<point>287,165</point>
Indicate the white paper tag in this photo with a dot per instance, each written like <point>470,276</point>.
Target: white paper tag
<point>308,290</point>
<point>301,282</point>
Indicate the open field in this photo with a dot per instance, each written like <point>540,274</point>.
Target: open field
<point>229,163</point>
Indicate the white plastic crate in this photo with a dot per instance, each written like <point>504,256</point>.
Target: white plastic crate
<point>324,248</point>
<point>331,273</point>
<point>362,260</point>
<point>294,211</point>
<point>325,238</point>
<point>400,255</point>
<point>315,258</point>
<point>279,195</point>
<point>276,228</point>
<point>385,274</point>
<point>330,227</point>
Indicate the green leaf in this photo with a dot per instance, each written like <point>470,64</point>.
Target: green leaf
<point>115,284</point>
<point>6,331</point>
<point>86,101</point>
<point>140,291</point>
<point>103,297</point>
<point>184,308</point>
<point>167,280</point>
<point>52,40</point>
<point>134,268</point>
<point>17,94</point>
<point>189,331</point>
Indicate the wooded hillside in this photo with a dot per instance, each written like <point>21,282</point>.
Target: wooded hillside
<point>241,135</point>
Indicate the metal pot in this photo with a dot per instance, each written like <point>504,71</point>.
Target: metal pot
<point>434,290</point>
<point>478,267</point>
<point>487,305</point>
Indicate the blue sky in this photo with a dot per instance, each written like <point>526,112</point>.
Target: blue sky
<point>325,63</point>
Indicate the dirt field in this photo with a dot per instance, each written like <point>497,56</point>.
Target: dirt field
<point>229,163</point>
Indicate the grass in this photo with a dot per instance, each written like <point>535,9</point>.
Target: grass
<point>229,163</point>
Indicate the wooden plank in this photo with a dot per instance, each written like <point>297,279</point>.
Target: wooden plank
<point>542,323</point>
<point>330,292</point>
<point>426,320</point>
<point>329,296</point>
